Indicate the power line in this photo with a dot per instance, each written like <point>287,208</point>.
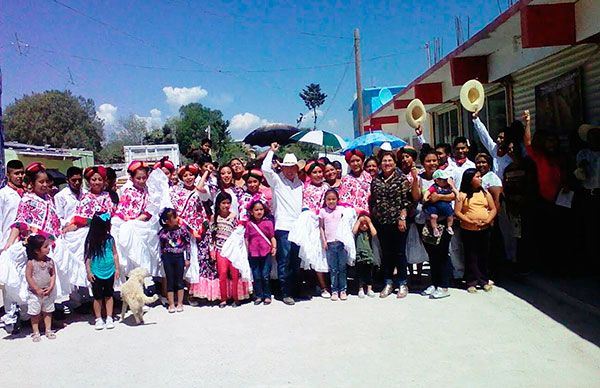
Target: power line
<point>337,89</point>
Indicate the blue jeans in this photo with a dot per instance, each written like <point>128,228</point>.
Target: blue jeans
<point>288,263</point>
<point>337,260</point>
<point>261,272</point>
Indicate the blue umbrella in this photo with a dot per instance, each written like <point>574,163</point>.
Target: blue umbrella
<point>368,141</point>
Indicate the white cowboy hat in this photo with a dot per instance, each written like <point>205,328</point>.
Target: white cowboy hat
<point>415,113</point>
<point>291,160</point>
<point>584,129</point>
<point>386,146</point>
<point>472,95</point>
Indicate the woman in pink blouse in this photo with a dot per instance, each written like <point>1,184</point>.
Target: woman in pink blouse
<point>305,232</point>
<point>134,228</point>
<point>355,189</point>
<point>36,214</point>
<point>96,200</point>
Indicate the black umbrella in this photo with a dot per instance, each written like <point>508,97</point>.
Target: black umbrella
<point>58,177</point>
<point>265,135</point>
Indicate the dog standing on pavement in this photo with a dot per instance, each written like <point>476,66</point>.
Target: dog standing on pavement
<point>132,294</point>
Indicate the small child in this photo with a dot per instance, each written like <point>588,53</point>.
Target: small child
<point>41,275</point>
<point>364,231</point>
<point>224,224</point>
<point>442,209</point>
<point>102,264</point>
<point>260,240</point>
<point>174,243</point>
<point>337,258</point>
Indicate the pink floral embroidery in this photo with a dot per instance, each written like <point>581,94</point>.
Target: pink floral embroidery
<point>132,203</point>
<point>38,214</point>
<point>355,191</point>
<point>91,204</point>
<point>189,207</point>
<point>313,196</point>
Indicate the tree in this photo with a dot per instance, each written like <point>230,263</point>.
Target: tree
<point>54,117</point>
<point>191,127</point>
<point>132,130</point>
<point>112,152</point>
<point>165,135</point>
<point>313,98</point>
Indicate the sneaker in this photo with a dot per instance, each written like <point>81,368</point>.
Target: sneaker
<point>471,290</point>
<point>110,323</point>
<point>361,293</point>
<point>343,295</point>
<point>487,287</point>
<point>439,293</point>
<point>450,231</point>
<point>289,301</point>
<point>325,294</point>
<point>371,294</point>
<point>387,290</point>
<point>99,324</point>
<point>402,292</point>
<point>334,296</point>
<point>428,291</point>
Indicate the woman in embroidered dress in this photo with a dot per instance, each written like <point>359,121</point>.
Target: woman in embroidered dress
<point>134,227</point>
<point>225,183</point>
<point>36,214</point>
<point>305,232</point>
<point>355,189</point>
<point>167,167</point>
<point>253,178</point>
<point>237,168</point>
<point>96,200</point>
<point>188,201</point>
<point>331,176</point>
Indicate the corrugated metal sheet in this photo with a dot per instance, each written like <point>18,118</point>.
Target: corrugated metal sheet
<point>586,56</point>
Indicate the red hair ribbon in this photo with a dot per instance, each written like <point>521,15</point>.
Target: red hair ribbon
<point>349,154</point>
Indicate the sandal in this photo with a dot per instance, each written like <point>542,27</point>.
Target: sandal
<point>267,301</point>
<point>179,309</point>
<point>171,310</point>
<point>50,334</point>
<point>35,337</point>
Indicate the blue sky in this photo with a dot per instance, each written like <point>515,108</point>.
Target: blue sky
<point>249,59</point>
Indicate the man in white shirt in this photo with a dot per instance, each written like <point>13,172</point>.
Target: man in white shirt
<point>499,155</point>
<point>10,197</point>
<point>287,206</point>
<point>459,162</point>
<point>67,199</point>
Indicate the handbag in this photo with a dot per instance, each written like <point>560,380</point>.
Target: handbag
<point>428,237</point>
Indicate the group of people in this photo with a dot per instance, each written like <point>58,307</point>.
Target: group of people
<point>224,233</point>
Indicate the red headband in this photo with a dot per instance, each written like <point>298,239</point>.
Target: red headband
<point>35,167</point>
<point>89,172</point>
<point>193,168</point>
<point>310,166</point>
<point>136,165</point>
<point>166,163</point>
<point>349,154</point>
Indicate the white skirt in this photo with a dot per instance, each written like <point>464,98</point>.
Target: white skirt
<point>235,250</point>
<point>306,234</point>
<point>192,274</point>
<point>12,272</point>
<point>137,245</point>
<point>75,249</point>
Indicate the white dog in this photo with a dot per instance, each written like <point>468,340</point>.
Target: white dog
<point>132,294</point>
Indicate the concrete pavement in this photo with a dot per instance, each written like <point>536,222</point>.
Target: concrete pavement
<point>483,340</point>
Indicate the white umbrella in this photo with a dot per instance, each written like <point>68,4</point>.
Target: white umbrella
<point>322,138</point>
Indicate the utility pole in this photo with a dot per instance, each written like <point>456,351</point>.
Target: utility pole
<point>359,99</point>
<point>2,161</point>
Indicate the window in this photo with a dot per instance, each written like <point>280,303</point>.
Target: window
<point>446,126</point>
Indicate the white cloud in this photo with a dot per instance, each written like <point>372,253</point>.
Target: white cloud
<point>332,124</point>
<point>177,97</point>
<point>308,118</point>
<point>154,120</point>
<point>242,123</point>
<point>107,112</point>
<point>223,99</point>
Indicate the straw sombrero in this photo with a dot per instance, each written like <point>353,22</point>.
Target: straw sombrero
<point>415,113</point>
<point>472,95</point>
<point>584,129</point>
